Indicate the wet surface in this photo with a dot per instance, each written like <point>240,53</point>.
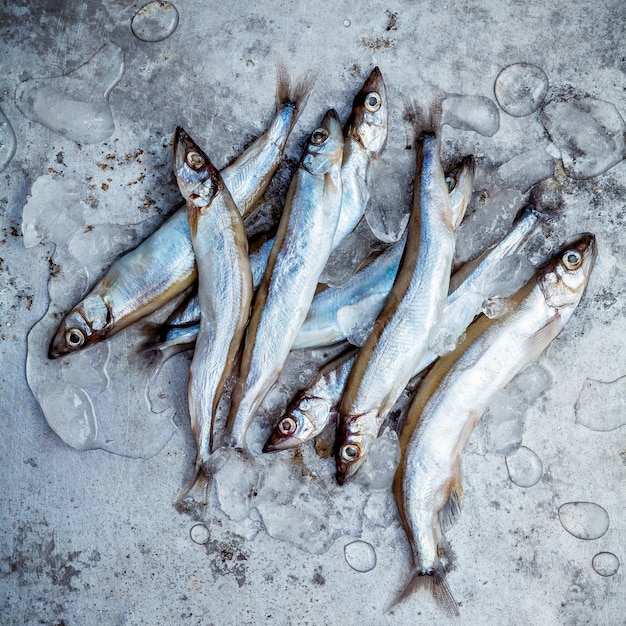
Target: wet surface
<point>75,105</point>
<point>584,520</point>
<point>360,556</point>
<point>520,89</point>
<point>155,21</point>
<point>605,564</point>
<point>93,94</point>
<point>525,467</point>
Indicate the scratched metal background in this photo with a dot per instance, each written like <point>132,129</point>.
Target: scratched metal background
<point>91,537</point>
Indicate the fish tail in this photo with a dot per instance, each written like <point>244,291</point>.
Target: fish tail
<point>190,484</point>
<point>434,581</point>
<point>295,95</point>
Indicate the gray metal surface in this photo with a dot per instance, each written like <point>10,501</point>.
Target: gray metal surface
<point>90,95</point>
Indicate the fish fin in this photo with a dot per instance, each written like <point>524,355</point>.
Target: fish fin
<point>189,485</point>
<point>451,510</point>
<point>540,340</point>
<point>434,581</point>
<point>297,94</point>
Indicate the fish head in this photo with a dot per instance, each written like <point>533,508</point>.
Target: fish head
<point>304,419</point>
<point>367,123</point>
<point>351,448</point>
<point>325,147</point>
<point>564,278</point>
<point>460,182</point>
<point>87,323</point>
<point>198,180</point>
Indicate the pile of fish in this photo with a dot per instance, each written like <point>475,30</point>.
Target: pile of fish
<point>247,308</point>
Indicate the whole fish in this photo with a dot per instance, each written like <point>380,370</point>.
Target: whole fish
<point>298,256</point>
<point>457,391</point>
<point>401,333</point>
<point>220,245</point>
<point>365,137</point>
<point>163,266</point>
<point>313,408</point>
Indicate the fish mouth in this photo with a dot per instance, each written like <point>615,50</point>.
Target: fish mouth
<point>278,443</point>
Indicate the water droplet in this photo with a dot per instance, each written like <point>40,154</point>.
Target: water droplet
<point>76,105</point>
<point>590,134</point>
<point>585,520</point>
<point>360,556</point>
<point>525,467</point>
<point>602,405</point>
<point>155,21</point>
<point>477,113</point>
<point>520,89</point>
<point>605,564</point>
<point>8,142</point>
<point>347,23</point>
<point>199,534</point>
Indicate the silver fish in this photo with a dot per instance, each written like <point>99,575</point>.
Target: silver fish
<point>310,412</point>
<point>298,256</point>
<point>220,245</point>
<point>163,266</point>
<point>365,136</point>
<point>401,334</point>
<point>457,391</point>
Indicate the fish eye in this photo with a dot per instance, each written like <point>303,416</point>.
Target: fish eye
<point>450,182</point>
<point>287,426</point>
<point>349,452</point>
<point>572,259</point>
<point>318,136</point>
<point>373,101</point>
<point>74,338</point>
<point>195,160</point>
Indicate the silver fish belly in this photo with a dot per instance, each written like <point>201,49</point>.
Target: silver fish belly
<point>456,393</point>
<point>297,259</point>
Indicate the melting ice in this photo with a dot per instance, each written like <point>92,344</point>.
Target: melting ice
<point>76,105</point>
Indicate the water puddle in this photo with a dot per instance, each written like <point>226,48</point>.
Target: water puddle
<point>525,467</point>
<point>199,534</point>
<point>477,113</point>
<point>155,21</point>
<point>584,520</point>
<point>601,405</point>
<point>590,134</point>
<point>8,141</point>
<point>520,89</point>
<point>360,556</point>
<point>605,564</point>
<point>97,398</point>
<point>76,105</point>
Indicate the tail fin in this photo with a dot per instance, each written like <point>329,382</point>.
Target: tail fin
<point>434,581</point>
<point>157,347</point>
<point>296,95</point>
<point>189,485</point>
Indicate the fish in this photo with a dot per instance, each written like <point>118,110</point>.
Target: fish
<point>220,245</point>
<point>315,406</point>
<point>458,390</point>
<point>401,333</point>
<point>300,251</point>
<point>365,138</point>
<point>332,315</point>
<point>163,265</point>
